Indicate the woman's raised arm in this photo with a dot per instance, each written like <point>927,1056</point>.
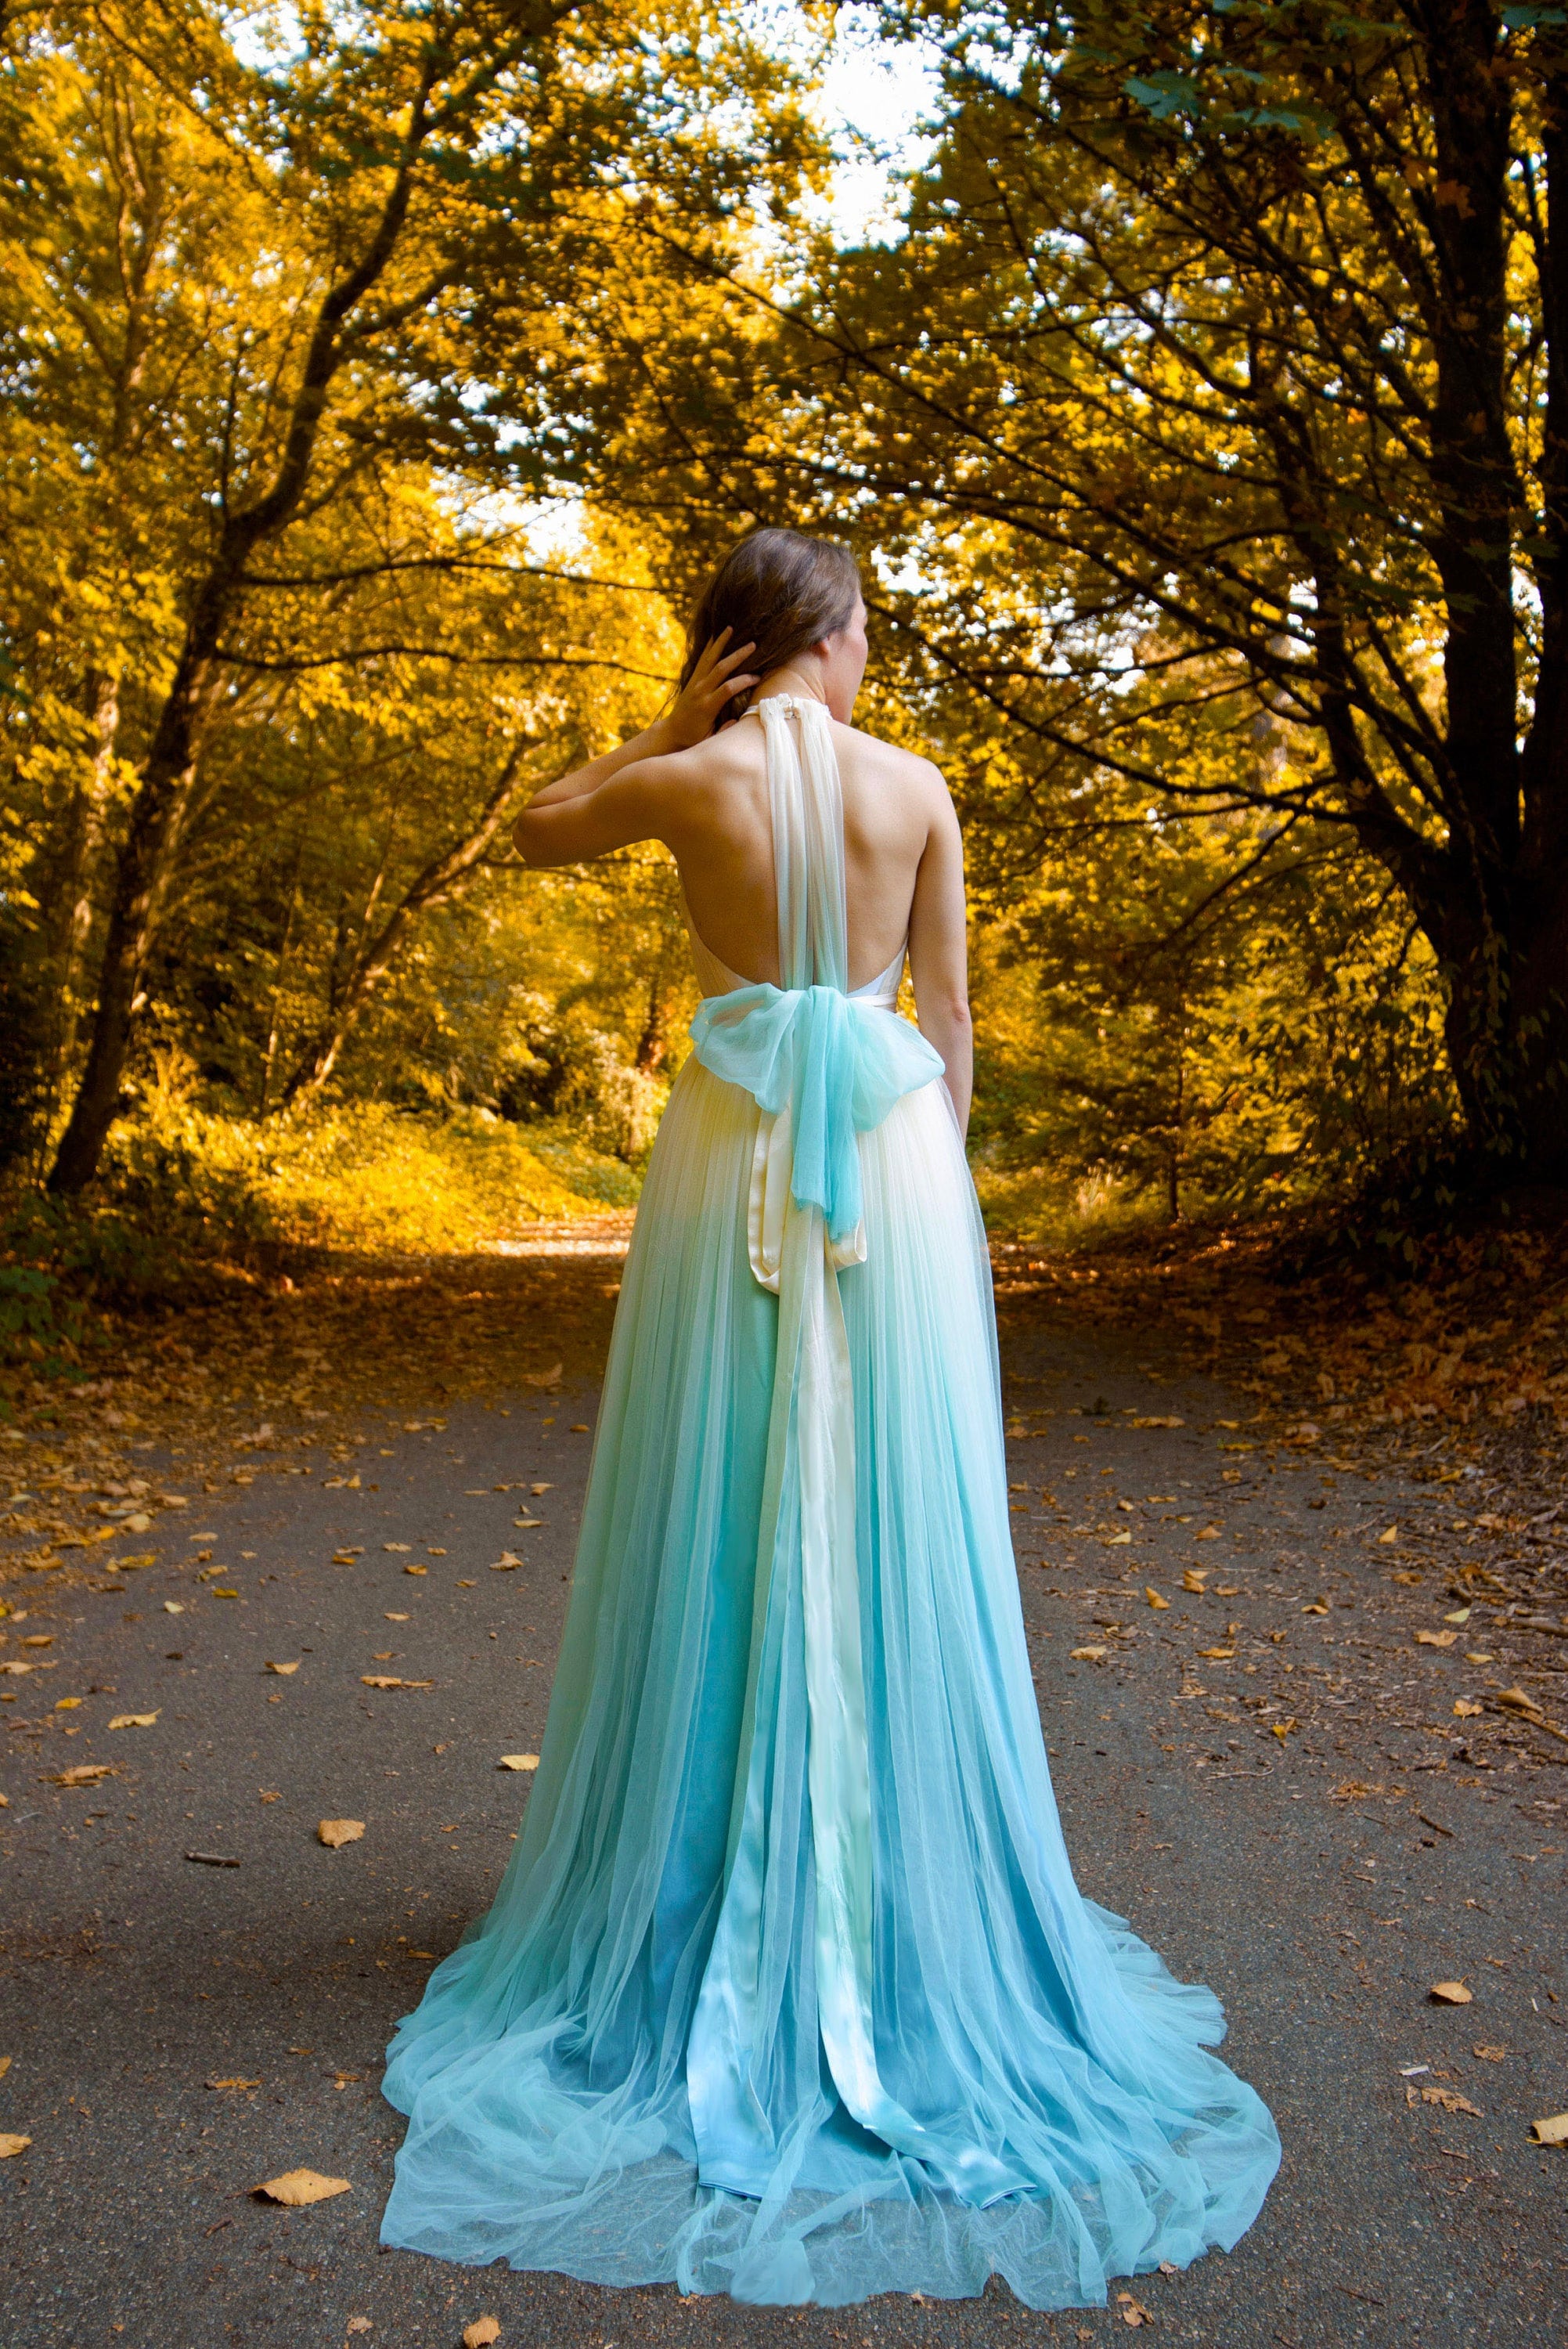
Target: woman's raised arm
<point>606,804</point>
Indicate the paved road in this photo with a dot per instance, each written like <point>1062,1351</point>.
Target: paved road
<point>133,1976</point>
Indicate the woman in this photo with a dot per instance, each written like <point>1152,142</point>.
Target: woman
<point>788,1991</point>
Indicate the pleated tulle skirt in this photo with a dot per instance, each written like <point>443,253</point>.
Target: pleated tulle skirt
<point>545,2072</point>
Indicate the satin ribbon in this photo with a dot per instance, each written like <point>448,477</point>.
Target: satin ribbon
<point>823,1069</point>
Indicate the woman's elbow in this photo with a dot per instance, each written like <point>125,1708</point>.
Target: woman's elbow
<point>946,1023</point>
<point>530,837</point>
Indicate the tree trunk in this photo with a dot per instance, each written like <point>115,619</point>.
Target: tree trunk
<point>87,823</point>
<point>654,1042</point>
<point>143,866</point>
<point>73,915</point>
<point>1507,1034</point>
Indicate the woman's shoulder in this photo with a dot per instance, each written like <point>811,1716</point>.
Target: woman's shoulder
<point>882,762</point>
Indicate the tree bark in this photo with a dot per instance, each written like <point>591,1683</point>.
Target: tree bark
<point>85,826</point>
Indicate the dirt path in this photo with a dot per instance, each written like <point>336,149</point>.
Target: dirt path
<point>1267,1774</point>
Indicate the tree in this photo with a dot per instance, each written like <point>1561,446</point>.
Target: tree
<point>254,302</point>
<point>1218,392</point>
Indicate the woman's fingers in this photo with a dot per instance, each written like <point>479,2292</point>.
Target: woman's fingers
<point>733,659</point>
<point>710,654</point>
<point>734,685</point>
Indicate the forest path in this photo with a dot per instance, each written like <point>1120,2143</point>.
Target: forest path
<point>1320,1881</point>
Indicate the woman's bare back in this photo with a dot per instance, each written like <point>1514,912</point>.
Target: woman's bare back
<point>719,826</point>
<point>707,798</point>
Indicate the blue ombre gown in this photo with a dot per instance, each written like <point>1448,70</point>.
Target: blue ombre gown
<point>788,1991</point>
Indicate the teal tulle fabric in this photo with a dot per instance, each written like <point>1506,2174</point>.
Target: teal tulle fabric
<point>836,1065</point>
<point>788,1991</point>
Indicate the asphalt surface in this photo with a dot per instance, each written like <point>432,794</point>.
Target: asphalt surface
<point>1321,1879</point>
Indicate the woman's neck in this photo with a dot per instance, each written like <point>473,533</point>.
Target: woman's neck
<point>787,680</point>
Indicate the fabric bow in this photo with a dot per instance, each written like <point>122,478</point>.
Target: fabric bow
<point>837,1066</point>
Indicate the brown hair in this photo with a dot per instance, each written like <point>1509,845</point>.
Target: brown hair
<point>779,589</point>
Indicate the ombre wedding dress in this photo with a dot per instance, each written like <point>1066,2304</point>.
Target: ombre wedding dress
<point>788,1991</point>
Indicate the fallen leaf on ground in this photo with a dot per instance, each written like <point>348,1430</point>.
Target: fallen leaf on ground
<point>1087,1655</point>
<point>1466,1709</point>
<point>518,1761</point>
<point>85,1773</point>
<point>10,2145</point>
<point>1218,1655</point>
<point>298,2187</point>
<point>15,1667</point>
<point>1159,1422</point>
<point>38,1639</point>
<point>359,2324</point>
<point>233,2084</point>
<point>1153,1595</point>
<point>1459,1615</point>
<point>415,1569</point>
<point>1490,2055</point>
<point>1207,1533</point>
<point>4,2065</point>
<point>578,1427</point>
<point>1131,2310</point>
<point>1548,2132</point>
<point>1391,1535</point>
<point>1518,1700</point>
<point>541,1378</point>
<point>397,1546</point>
<point>389,1618</point>
<point>484,2329</point>
<point>1196,1578</point>
<point>283,1671</point>
<point>1404,1575</point>
<point>68,1704</point>
<point>1316,1608</point>
<point>1449,2102</point>
<point>530,1524</point>
<point>134,1720</point>
<point>1436,1639</point>
<point>504,1563</point>
<point>1451,1993</point>
<point>172,1607</point>
<point>334,1832</point>
<point>1282,1728</point>
<point>387,1681</point>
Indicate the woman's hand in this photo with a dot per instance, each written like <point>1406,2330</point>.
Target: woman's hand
<point>717,677</point>
<point>588,813</point>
